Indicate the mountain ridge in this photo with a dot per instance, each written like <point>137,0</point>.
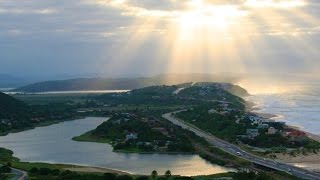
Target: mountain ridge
<point>122,83</point>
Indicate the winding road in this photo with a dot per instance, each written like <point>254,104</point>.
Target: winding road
<point>19,174</point>
<point>235,150</point>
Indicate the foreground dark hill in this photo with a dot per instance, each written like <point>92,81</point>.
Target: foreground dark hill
<point>122,83</point>
<point>14,114</point>
<point>11,107</point>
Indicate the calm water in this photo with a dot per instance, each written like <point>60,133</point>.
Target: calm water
<point>53,144</point>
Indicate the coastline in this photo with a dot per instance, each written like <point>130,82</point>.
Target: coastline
<point>312,136</point>
<point>252,108</point>
<point>309,161</point>
<point>91,169</point>
<point>41,124</point>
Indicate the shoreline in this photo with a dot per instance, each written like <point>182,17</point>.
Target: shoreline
<point>309,161</point>
<point>41,124</point>
<point>93,169</point>
<point>86,137</point>
<point>251,107</point>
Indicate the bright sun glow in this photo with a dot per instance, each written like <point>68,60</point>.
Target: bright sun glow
<point>209,35</point>
<point>201,15</point>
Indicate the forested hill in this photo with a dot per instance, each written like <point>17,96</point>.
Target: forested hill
<point>16,115</point>
<point>11,107</point>
<point>122,83</point>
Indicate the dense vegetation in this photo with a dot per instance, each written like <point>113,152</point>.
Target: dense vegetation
<point>175,95</point>
<point>16,115</point>
<point>12,108</point>
<point>155,133</point>
<point>124,83</point>
<point>151,132</point>
<point>223,126</point>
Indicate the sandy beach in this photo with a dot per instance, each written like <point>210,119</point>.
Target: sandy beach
<point>310,161</point>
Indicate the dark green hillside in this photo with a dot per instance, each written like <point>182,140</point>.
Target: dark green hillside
<point>122,83</point>
<point>11,107</point>
<point>15,115</point>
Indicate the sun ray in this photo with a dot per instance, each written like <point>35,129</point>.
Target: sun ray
<point>206,36</point>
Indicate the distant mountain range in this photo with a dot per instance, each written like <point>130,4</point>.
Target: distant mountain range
<point>82,84</point>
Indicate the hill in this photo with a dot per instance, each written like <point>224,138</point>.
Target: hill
<point>14,114</point>
<point>124,83</point>
<point>11,107</point>
<point>187,93</point>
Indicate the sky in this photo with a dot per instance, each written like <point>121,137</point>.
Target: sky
<point>146,37</point>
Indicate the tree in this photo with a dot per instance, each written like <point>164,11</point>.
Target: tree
<point>124,177</point>
<point>5,169</point>
<point>109,176</point>
<point>142,178</point>
<point>168,174</point>
<point>154,174</point>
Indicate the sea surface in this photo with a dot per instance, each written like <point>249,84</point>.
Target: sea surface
<point>53,144</point>
<point>299,108</point>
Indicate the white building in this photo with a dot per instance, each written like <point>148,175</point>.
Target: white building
<point>272,130</point>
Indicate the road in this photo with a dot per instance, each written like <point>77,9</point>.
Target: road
<point>235,150</point>
<point>19,174</point>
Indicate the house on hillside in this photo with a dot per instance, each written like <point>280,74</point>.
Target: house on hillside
<point>271,131</point>
<point>131,136</point>
<point>252,133</point>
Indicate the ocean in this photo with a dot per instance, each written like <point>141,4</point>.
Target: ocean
<point>300,108</point>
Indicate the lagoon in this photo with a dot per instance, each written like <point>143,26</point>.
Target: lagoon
<point>53,144</point>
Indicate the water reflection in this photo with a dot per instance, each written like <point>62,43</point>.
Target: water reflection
<point>53,144</point>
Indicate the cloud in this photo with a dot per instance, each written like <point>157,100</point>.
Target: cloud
<point>93,35</point>
<point>22,10</point>
<point>282,4</point>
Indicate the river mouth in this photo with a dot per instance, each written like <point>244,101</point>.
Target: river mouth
<point>53,144</point>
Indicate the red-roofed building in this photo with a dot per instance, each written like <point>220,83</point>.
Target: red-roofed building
<point>297,134</point>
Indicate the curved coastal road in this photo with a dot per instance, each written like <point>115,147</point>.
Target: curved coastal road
<point>19,174</point>
<point>235,150</point>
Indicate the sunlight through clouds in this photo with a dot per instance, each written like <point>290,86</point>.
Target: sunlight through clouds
<point>285,4</point>
<point>212,35</point>
<point>164,36</point>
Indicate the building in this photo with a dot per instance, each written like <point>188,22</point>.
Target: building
<point>131,136</point>
<point>297,134</point>
<point>263,126</point>
<point>212,111</point>
<point>252,133</point>
<point>271,131</point>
